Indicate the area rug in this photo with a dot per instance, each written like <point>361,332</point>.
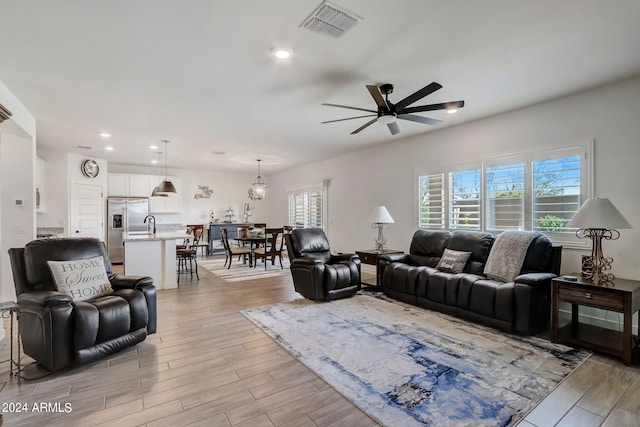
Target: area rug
<point>406,366</point>
<point>239,271</point>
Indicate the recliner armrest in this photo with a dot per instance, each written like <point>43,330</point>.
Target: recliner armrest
<point>130,282</point>
<point>305,261</point>
<point>44,298</point>
<point>343,257</point>
<point>534,278</point>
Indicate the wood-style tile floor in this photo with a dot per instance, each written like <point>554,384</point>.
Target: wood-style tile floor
<point>210,366</point>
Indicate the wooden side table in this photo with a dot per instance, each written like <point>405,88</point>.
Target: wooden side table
<point>10,310</point>
<point>623,297</point>
<point>370,256</point>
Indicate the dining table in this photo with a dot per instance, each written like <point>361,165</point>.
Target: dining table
<point>254,242</point>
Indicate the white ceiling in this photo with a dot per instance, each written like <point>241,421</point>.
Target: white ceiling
<point>200,72</point>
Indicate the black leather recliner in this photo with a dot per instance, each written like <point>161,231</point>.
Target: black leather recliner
<point>318,274</point>
<point>58,332</point>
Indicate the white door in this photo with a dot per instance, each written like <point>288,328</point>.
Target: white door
<point>86,211</point>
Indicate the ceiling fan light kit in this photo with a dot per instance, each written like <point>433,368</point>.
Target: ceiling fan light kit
<point>387,112</point>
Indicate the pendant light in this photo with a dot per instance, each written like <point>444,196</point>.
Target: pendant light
<point>156,191</point>
<point>166,186</point>
<point>259,187</point>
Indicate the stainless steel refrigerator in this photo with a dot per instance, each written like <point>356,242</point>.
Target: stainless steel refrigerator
<point>124,215</point>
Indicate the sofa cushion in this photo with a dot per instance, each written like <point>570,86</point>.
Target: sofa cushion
<point>477,242</point>
<point>429,243</point>
<point>453,261</point>
<point>81,279</point>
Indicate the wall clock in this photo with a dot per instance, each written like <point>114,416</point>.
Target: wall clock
<point>90,168</point>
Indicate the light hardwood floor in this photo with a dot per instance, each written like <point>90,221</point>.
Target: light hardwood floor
<point>210,366</point>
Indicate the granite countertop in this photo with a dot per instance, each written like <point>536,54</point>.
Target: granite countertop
<point>161,235</point>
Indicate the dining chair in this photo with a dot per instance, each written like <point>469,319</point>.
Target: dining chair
<point>203,244</point>
<point>230,251</point>
<point>273,242</point>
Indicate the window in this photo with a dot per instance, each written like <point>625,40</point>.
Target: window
<point>308,206</point>
<point>505,205</point>
<point>464,199</point>
<point>530,191</point>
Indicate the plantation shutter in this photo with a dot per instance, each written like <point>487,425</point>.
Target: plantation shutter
<point>556,192</point>
<point>505,203</point>
<point>308,206</point>
<point>431,204</point>
<point>464,199</point>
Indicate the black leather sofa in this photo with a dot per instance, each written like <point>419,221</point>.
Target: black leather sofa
<point>317,273</point>
<point>59,332</point>
<point>520,306</point>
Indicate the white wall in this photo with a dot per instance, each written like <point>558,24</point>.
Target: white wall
<point>384,174</point>
<point>17,178</point>
<point>55,191</point>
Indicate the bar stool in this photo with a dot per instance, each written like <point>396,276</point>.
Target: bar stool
<point>189,255</point>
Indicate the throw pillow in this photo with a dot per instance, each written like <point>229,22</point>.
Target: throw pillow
<point>453,261</point>
<point>81,279</point>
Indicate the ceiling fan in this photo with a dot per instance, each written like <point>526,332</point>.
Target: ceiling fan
<point>387,112</point>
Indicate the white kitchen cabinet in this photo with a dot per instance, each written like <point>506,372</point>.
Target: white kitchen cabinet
<point>118,184</point>
<point>139,186</point>
<point>41,168</point>
<point>129,185</point>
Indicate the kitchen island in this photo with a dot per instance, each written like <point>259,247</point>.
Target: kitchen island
<point>149,254</point>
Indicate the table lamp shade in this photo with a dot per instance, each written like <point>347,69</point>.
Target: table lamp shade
<point>598,213</point>
<point>381,215</point>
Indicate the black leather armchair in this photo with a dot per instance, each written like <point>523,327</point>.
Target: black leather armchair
<point>58,332</point>
<point>318,274</point>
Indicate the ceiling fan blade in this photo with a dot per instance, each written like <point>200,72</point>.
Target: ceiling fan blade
<point>393,127</point>
<point>348,118</point>
<point>433,107</point>
<point>364,126</point>
<point>377,96</point>
<point>419,119</point>
<point>350,108</point>
<point>419,94</point>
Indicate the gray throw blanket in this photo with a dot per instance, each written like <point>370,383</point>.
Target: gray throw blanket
<point>507,254</point>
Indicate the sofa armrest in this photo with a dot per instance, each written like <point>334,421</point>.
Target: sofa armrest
<point>130,282</point>
<point>395,257</point>
<point>44,298</point>
<point>534,278</point>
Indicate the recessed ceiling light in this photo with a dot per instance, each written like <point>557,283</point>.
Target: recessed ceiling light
<point>109,148</point>
<point>282,53</point>
<point>105,134</point>
<point>452,110</point>
<point>154,161</point>
<point>153,147</point>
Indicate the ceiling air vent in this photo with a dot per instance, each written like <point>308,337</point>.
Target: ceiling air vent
<point>330,19</point>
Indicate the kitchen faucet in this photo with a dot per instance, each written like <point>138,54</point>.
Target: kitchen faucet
<point>150,217</point>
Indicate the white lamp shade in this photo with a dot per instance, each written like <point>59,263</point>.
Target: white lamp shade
<point>598,213</point>
<point>381,215</point>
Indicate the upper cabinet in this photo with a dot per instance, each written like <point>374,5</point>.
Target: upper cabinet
<point>41,167</point>
<point>128,185</point>
<point>138,185</point>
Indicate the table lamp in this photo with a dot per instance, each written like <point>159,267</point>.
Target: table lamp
<point>380,219</point>
<point>598,219</point>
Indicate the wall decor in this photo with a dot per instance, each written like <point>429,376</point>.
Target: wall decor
<point>205,192</point>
